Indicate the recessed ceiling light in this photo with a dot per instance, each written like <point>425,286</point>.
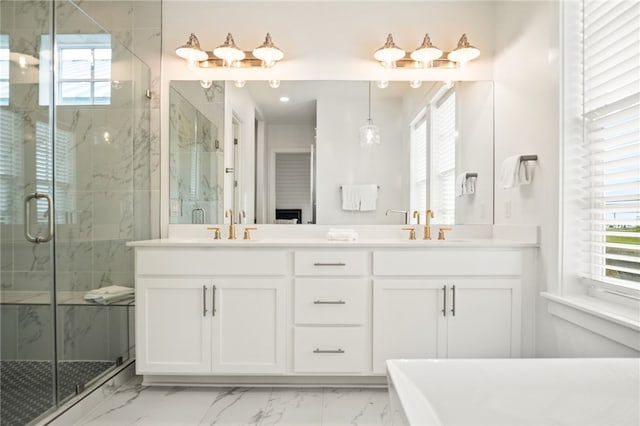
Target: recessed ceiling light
<point>284,99</point>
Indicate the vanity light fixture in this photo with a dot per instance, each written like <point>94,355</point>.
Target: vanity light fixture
<point>191,51</point>
<point>388,54</point>
<point>268,53</point>
<point>369,132</point>
<point>229,52</point>
<point>464,52</point>
<point>229,55</point>
<point>426,55</point>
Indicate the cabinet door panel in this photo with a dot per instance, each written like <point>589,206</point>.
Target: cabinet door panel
<point>173,334</point>
<point>249,326</point>
<point>407,320</point>
<point>481,327</point>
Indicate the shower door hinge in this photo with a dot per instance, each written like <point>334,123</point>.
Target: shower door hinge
<point>148,93</point>
<point>79,388</point>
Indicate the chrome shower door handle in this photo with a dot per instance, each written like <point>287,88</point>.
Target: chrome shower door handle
<point>27,218</point>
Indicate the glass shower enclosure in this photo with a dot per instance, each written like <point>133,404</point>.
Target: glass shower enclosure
<point>74,188</point>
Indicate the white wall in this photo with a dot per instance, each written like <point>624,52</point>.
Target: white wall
<point>527,101</point>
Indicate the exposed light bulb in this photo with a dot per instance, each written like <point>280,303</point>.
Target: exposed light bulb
<point>107,137</point>
<point>383,84</point>
<point>191,63</point>
<point>274,84</point>
<point>240,83</point>
<point>206,83</point>
<point>448,84</point>
<point>415,84</point>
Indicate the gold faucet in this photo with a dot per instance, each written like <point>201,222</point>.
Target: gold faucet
<point>416,215</point>
<point>412,233</point>
<point>441,233</point>
<point>427,225</point>
<point>216,230</point>
<point>247,234</point>
<point>232,227</point>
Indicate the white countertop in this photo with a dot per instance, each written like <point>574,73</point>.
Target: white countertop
<point>323,242</point>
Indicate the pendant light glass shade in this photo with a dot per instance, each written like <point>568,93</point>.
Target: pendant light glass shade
<point>228,51</point>
<point>427,52</point>
<point>191,51</point>
<point>268,53</point>
<point>369,133</point>
<point>389,53</point>
<point>464,52</point>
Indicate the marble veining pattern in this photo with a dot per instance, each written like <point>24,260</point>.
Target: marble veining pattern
<point>141,405</point>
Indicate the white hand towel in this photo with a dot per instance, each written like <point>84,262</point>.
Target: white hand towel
<point>515,172</point>
<point>350,197</point>
<point>368,197</point>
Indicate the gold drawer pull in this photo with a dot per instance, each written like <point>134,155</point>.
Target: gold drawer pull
<point>328,351</point>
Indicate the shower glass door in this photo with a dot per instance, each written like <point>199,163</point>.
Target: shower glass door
<point>27,365</point>
<point>74,188</point>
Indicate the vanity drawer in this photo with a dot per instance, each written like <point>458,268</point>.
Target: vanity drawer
<point>447,262</point>
<point>206,261</point>
<point>330,301</point>
<point>331,262</point>
<point>330,350</point>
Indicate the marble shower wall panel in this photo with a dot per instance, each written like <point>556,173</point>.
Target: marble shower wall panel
<point>9,332</point>
<point>82,332</point>
<point>34,332</point>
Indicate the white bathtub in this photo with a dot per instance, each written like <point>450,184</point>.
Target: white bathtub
<point>513,392</point>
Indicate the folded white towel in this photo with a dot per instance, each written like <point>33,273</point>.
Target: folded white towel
<point>514,172</point>
<point>338,234</point>
<point>350,197</point>
<point>368,197</point>
<point>109,294</point>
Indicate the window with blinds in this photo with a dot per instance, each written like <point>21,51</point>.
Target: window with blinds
<point>611,130</point>
<point>443,158</point>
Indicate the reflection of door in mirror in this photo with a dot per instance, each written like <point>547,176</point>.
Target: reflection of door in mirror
<point>293,188</point>
<point>237,170</point>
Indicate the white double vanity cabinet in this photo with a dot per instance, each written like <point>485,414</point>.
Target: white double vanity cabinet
<point>272,310</point>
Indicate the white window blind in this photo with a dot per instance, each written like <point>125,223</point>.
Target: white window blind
<point>63,159</point>
<point>5,57</point>
<point>443,159</point>
<point>611,98</point>
<point>418,194</point>
<point>11,154</point>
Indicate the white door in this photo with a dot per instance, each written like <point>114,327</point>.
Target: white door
<point>407,320</point>
<point>249,326</point>
<point>173,326</point>
<point>481,326</point>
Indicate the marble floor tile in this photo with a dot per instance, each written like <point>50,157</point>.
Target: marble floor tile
<point>356,407</point>
<point>134,404</point>
<point>294,407</point>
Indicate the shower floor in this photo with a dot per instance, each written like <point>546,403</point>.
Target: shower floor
<point>26,386</point>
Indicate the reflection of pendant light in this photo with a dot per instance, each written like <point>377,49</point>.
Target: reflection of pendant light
<point>369,133</point>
